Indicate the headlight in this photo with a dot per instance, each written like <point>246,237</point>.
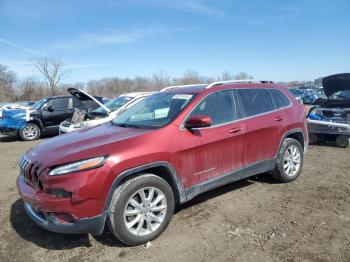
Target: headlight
<point>78,166</point>
<point>79,125</point>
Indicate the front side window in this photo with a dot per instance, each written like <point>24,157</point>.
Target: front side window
<point>59,103</point>
<point>280,98</point>
<point>219,106</point>
<point>255,101</point>
<point>154,111</point>
<point>114,104</point>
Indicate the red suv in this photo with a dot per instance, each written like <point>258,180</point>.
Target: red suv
<point>132,172</point>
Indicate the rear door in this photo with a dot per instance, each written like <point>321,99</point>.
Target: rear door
<point>263,124</point>
<point>218,149</point>
<point>63,109</point>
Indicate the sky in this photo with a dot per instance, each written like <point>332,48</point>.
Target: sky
<point>271,39</point>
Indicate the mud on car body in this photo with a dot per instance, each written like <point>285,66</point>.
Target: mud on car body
<point>132,172</point>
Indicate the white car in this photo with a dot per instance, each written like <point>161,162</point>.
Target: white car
<point>103,114</point>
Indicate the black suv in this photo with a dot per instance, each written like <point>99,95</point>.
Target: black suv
<point>44,117</point>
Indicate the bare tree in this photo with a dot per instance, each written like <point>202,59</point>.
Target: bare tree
<point>243,75</point>
<point>7,79</point>
<point>31,89</point>
<point>52,71</point>
<point>160,80</point>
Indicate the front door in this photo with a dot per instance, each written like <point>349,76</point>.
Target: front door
<point>216,150</point>
<point>62,109</point>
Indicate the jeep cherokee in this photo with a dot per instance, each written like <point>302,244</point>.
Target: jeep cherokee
<point>132,172</point>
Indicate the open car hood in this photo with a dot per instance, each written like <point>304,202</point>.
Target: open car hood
<point>83,96</point>
<point>335,83</point>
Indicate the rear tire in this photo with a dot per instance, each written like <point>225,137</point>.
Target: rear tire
<point>342,141</point>
<point>313,139</point>
<point>290,161</point>
<point>141,209</point>
<point>30,132</point>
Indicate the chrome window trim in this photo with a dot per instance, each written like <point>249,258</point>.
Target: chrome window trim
<point>182,126</point>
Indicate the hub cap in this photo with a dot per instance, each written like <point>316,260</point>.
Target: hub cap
<point>291,161</point>
<point>145,211</point>
<point>30,132</point>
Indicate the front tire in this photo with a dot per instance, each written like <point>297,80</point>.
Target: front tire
<point>30,132</point>
<point>141,209</point>
<point>290,161</point>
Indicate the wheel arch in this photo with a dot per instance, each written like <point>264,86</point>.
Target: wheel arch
<point>162,169</point>
<point>297,134</point>
<point>37,122</point>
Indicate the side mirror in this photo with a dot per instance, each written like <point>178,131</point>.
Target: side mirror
<point>198,122</point>
<point>50,108</point>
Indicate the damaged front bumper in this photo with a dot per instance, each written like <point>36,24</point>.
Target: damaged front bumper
<point>54,214</point>
<point>93,225</point>
<point>9,131</point>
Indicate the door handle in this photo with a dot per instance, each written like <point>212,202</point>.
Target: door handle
<point>279,118</point>
<point>235,130</point>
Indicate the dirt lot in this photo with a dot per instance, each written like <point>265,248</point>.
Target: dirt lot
<point>252,220</point>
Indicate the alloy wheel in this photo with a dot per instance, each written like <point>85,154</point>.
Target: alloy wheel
<point>145,211</point>
<point>291,160</point>
<point>30,132</point>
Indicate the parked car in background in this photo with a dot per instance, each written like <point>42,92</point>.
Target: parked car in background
<point>104,113</point>
<point>173,145</point>
<point>20,105</point>
<point>336,106</point>
<point>43,117</point>
<point>308,96</point>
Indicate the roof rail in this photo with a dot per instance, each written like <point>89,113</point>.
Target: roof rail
<point>241,81</point>
<point>179,86</point>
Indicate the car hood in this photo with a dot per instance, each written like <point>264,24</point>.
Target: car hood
<point>83,144</point>
<point>83,96</point>
<point>335,83</point>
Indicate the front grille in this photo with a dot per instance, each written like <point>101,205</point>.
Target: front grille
<point>30,171</point>
<point>333,113</point>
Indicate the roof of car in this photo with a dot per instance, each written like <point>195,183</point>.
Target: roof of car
<point>197,88</point>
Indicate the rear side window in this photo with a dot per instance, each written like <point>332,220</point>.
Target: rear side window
<point>219,106</point>
<point>59,103</point>
<point>255,101</point>
<point>280,98</point>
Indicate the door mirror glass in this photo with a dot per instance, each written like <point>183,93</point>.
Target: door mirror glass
<point>50,108</point>
<point>198,121</point>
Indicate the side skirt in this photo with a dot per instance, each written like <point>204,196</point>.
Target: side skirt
<point>238,174</point>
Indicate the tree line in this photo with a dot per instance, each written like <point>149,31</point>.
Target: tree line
<point>53,70</point>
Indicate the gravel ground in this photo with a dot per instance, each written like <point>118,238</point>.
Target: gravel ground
<point>251,220</point>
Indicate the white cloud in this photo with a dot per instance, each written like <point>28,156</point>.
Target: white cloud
<point>115,37</point>
<point>19,47</point>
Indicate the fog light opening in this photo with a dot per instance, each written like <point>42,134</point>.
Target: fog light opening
<point>63,218</point>
<point>59,193</point>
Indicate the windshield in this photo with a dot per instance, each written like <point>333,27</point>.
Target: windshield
<point>320,92</point>
<point>341,95</point>
<point>113,104</point>
<point>39,104</point>
<point>296,92</point>
<point>154,111</point>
